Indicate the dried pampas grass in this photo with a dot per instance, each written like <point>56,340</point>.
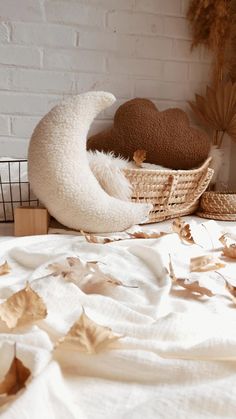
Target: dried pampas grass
<point>213,25</point>
<point>210,21</point>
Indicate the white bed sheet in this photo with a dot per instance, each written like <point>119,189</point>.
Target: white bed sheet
<point>178,355</point>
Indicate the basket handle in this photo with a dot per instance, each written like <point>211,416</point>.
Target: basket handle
<point>203,184</point>
<point>172,180</point>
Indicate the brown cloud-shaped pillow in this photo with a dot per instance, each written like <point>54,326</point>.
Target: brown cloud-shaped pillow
<point>166,136</point>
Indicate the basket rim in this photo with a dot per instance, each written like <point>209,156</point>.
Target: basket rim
<point>217,216</point>
<point>230,193</point>
<point>204,165</point>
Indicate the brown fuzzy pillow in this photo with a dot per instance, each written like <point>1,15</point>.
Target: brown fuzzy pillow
<point>166,136</point>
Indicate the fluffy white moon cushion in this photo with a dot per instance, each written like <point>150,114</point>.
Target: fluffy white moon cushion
<point>59,170</point>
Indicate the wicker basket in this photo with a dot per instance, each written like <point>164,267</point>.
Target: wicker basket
<point>173,193</point>
<point>218,206</point>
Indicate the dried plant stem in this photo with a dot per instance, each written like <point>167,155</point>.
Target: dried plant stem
<point>214,139</point>
<point>218,137</point>
<point>221,137</point>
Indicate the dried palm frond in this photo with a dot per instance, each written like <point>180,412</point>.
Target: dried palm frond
<point>217,109</point>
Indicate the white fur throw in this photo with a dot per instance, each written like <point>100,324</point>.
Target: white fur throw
<point>108,170</point>
<point>217,155</point>
<point>60,174</point>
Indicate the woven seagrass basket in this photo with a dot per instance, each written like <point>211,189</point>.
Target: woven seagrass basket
<point>218,205</point>
<point>173,193</point>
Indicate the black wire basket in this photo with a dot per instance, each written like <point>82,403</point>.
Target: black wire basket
<point>15,189</point>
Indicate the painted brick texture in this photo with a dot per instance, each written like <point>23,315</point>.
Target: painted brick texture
<point>53,48</point>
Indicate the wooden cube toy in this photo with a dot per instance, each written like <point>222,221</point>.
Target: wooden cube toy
<point>30,221</point>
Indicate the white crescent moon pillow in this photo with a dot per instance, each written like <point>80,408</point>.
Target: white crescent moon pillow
<point>60,174</point>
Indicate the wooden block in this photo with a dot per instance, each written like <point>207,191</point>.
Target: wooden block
<point>29,221</point>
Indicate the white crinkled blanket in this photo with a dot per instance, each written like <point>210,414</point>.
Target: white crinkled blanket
<point>178,355</point>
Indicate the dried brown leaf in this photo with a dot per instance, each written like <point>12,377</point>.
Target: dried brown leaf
<point>223,239</point>
<point>73,269</point>
<point>136,235</point>
<point>183,230</point>
<point>205,263</point>
<point>78,264</point>
<point>15,378</point>
<point>59,269</point>
<point>23,308</point>
<point>87,275</point>
<point>232,290</point>
<point>4,268</point>
<point>146,235</point>
<point>90,238</point>
<point>90,337</point>
<point>230,251</point>
<point>95,280</point>
<point>139,157</point>
<point>193,287</point>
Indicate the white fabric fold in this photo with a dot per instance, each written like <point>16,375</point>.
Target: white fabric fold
<point>178,351</point>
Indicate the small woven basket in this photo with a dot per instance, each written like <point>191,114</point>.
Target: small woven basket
<point>173,193</point>
<point>218,205</point>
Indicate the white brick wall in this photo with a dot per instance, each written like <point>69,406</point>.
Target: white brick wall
<point>53,48</point>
